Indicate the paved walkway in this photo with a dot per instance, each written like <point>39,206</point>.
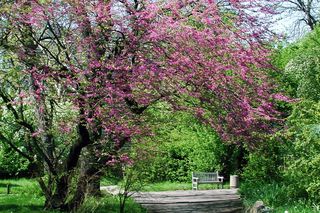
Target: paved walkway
<point>201,201</point>
<point>114,189</point>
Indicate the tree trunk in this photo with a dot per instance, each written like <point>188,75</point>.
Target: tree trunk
<point>94,185</point>
<point>89,179</point>
<point>90,168</point>
<point>57,200</point>
<point>79,194</point>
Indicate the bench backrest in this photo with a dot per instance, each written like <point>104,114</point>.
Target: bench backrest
<point>206,176</point>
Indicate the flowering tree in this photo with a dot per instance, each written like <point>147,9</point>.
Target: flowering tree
<point>106,62</point>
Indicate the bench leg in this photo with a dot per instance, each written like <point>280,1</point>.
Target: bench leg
<point>194,183</point>
<point>194,186</point>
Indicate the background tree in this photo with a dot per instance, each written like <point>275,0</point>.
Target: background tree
<point>294,152</point>
<point>299,62</point>
<point>301,71</point>
<point>305,13</point>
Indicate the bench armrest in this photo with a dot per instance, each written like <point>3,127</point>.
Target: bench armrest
<point>220,178</point>
<point>195,179</point>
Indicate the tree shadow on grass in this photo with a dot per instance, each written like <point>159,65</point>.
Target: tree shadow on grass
<point>6,208</point>
<point>12,188</point>
<point>6,184</point>
<point>20,208</point>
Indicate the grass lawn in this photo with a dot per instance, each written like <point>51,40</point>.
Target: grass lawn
<point>21,203</point>
<point>173,186</point>
<point>25,197</point>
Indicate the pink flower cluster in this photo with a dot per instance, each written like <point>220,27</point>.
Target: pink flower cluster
<point>118,58</point>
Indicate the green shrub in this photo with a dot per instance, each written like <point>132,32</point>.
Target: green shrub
<point>11,163</point>
<point>265,164</point>
<point>300,64</point>
<point>303,165</point>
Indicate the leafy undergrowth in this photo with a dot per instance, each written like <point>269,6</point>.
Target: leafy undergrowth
<point>276,196</point>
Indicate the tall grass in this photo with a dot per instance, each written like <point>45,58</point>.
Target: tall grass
<point>109,204</point>
<point>276,196</point>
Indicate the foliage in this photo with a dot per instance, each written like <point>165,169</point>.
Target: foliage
<point>132,182</point>
<point>11,163</point>
<point>294,162</point>
<point>265,164</point>
<point>275,195</point>
<point>300,62</point>
<point>285,175</point>
<point>302,170</point>
<point>299,207</point>
<point>179,146</point>
<point>272,194</point>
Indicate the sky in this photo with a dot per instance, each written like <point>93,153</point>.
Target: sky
<point>286,25</point>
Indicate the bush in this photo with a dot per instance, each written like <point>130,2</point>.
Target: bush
<point>302,171</point>
<point>266,163</point>
<point>11,163</point>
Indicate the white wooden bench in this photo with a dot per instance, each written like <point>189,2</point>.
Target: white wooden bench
<point>206,177</point>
